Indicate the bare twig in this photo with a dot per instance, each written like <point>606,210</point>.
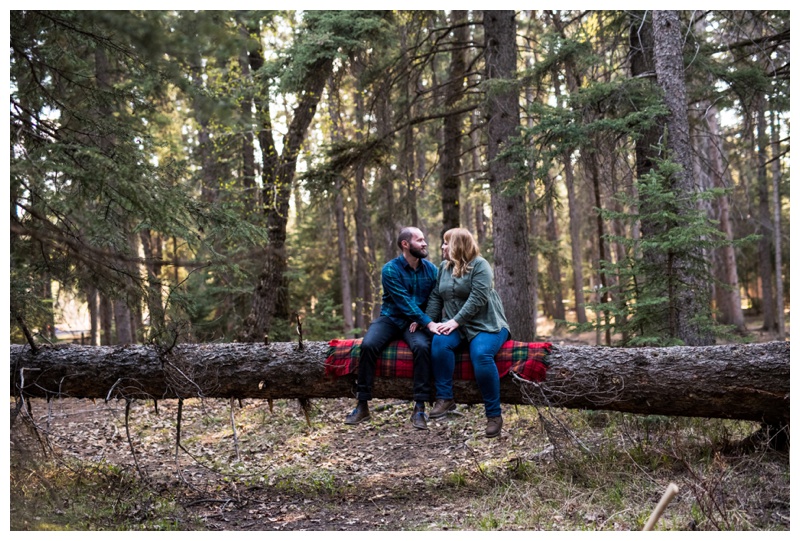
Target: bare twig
<point>178,428</point>
<point>670,493</point>
<point>299,330</point>
<point>235,435</point>
<point>28,337</point>
<point>108,395</point>
<point>130,440</point>
<point>305,405</point>
<point>557,428</point>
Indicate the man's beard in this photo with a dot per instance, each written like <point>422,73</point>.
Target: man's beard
<point>419,254</point>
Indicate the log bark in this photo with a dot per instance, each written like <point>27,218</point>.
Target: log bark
<point>748,382</point>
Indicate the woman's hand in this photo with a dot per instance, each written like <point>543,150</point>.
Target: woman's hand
<point>448,326</point>
<point>432,326</point>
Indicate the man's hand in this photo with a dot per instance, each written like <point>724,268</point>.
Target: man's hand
<point>432,326</point>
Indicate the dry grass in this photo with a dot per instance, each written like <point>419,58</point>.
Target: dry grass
<point>550,470</point>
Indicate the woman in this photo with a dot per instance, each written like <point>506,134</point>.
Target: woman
<point>471,312</point>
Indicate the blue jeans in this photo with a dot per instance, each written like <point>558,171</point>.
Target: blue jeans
<point>379,334</point>
<point>482,350</point>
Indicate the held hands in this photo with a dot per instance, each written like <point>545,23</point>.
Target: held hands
<point>436,328</point>
<point>432,326</point>
<point>448,326</point>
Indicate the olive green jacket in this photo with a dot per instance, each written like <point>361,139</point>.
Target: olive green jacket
<point>470,299</point>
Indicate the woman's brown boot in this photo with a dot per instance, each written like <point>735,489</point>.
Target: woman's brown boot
<point>493,426</point>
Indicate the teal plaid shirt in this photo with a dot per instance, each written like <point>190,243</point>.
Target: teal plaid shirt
<point>406,291</point>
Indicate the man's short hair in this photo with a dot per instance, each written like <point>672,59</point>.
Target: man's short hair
<point>405,235</point>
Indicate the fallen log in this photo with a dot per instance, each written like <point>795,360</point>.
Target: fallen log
<point>748,382</point>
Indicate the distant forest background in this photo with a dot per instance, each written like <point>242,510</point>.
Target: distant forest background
<point>235,175</point>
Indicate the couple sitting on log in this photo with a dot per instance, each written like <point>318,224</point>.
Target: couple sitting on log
<point>435,311</point>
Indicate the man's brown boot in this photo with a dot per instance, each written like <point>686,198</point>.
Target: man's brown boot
<point>441,407</point>
<point>493,426</point>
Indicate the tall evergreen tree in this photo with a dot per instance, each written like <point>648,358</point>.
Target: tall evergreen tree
<point>509,220</point>
<point>450,168</point>
<point>688,308</point>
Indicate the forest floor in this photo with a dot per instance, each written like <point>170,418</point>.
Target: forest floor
<point>107,469</point>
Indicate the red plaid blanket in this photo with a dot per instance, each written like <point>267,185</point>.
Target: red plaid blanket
<point>526,359</point>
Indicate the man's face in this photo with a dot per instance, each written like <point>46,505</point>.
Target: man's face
<point>417,245</point>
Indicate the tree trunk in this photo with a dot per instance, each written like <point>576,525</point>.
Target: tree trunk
<point>106,319</point>
<point>765,257</point>
<point>509,222</point>
<point>386,176</point>
<point>573,85</point>
<point>137,321</point>
<point>729,299</point>
<point>121,311</point>
<point>91,301</point>
<point>533,234</point>
<point>364,255</point>
<point>363,289</point>
<point>271,295</point>
<point>622,281</point>
<point>554,256</point>
<point>776,225</point>
<point>122,322</point>
<point>472,158</point>
<point>151,246</point>
<point>408,167</point>
<point>278,211</point>
<point>533,220</point>
<point>421,172</point>
<point>204,152</point>
<point>337,135</point>
<point>593,170</point>
<point>450,160</point>
<point>690,301</point>
<point>648,144</point>
<point>475,178</point>
<point>408,151</point>
<point>344,261</point>
<point>749,382</point>
<point>249,188</point>
<point>575,241</point>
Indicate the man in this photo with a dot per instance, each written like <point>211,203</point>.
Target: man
<point>407,281</point>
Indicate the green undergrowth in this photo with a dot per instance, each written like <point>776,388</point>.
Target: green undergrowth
<point>70,495</point>
<point>615,470</point>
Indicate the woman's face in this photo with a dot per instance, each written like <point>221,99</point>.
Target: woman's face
<point>445,250</point>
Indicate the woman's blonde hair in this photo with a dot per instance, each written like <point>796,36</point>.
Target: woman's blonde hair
<point>463,249</point>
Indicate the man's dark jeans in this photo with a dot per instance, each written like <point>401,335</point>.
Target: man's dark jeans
<point>380,333</point>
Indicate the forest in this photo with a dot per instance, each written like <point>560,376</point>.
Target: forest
<point>219,177</point>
